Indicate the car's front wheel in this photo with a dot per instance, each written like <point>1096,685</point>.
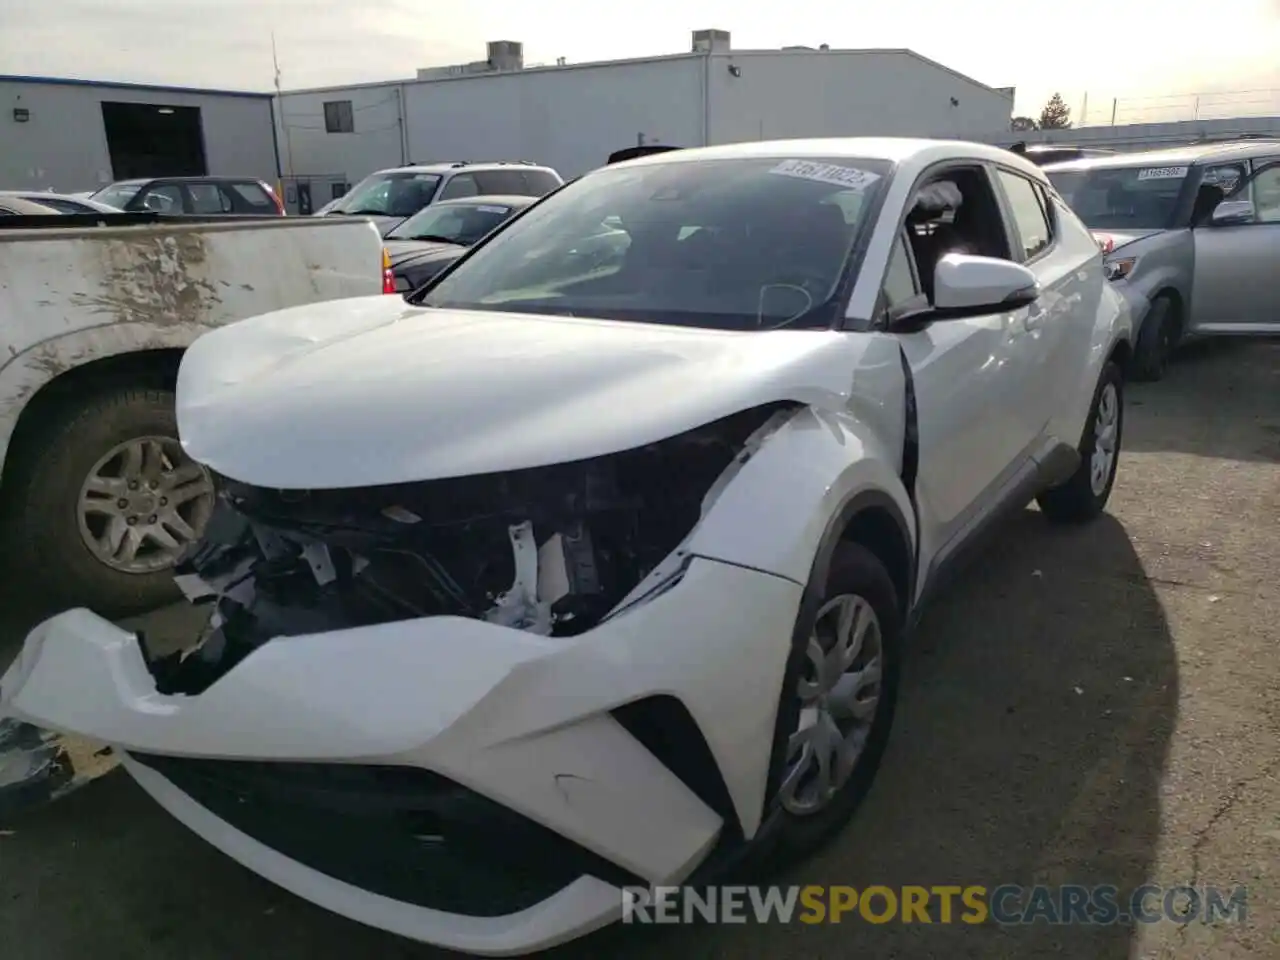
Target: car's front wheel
<point>1085,495</point>
<point>837,702</point>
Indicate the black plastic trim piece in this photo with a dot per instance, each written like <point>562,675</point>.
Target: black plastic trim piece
<point>401,832</point>
<point>664,726</point>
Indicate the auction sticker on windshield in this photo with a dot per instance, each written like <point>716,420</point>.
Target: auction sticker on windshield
<point>1162,173</point>
<point>849,177</point>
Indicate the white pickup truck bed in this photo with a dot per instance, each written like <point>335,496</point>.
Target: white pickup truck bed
<point>93,323</point>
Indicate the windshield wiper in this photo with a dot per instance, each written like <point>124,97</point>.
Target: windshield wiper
<point>431,238</point>
<point>363,213</point>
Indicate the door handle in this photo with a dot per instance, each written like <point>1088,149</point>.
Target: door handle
<point>1036,315</point>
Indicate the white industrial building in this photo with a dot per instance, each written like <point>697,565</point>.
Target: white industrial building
<point>72,135</point>
<point>572,116</point>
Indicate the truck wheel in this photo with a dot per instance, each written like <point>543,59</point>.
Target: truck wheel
<point>1157,339</point>
<point>104,500</point>
<point>1085,495</point>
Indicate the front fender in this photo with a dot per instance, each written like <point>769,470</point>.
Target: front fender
<point>1113,324</point>
<point>775,510</point>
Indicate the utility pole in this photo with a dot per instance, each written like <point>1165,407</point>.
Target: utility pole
<point>284,121</point>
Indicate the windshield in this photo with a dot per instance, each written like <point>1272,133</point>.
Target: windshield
<point>117,195</point>
<point>462,223</point>
<point>1122,198</point>
<point>730,244</point>
<point>390,194</point>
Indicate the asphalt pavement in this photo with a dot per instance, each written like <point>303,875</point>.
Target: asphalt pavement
<point>1092,706</point>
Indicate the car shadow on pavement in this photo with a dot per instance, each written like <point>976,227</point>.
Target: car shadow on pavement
<point>1038,700</point>
<point>1219,398</point>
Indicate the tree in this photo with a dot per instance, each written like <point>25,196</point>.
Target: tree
<point>1056,115</point>
<point>1024,123</point>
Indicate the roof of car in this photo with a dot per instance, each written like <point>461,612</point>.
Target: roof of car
<point>448,165</point>
<point>1189,154</point>
<point>27,208</point>
<point>138,181</point>
<point>503,200</point>
<point>904,151</point>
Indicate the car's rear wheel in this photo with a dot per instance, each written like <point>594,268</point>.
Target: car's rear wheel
<point>836,704</point>
<point>1158,338</point>
<point>1085,495</point>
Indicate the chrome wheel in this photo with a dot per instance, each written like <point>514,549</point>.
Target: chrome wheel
<point>1106,434</point>
<point>839,691</point>
<point>143,503</point>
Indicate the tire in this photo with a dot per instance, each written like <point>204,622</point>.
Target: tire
<point>43,501</point>
<point>1080,500</point>
<point>1161,330</point>
<point>857,572</point>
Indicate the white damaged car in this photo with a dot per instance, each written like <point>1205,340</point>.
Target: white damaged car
<point>591,567</point>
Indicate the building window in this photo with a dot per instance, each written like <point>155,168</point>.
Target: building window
<point>338,117</point>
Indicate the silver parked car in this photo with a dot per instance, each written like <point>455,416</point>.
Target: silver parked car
<point>1191,235</point>
<point>59,202</point>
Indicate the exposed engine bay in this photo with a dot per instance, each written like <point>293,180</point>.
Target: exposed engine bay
<point>552,550</point>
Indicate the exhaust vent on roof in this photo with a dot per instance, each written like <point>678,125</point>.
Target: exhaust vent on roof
<point>711,41</point>
<point>506,55</point>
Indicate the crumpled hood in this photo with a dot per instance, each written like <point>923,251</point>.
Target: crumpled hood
<point>1112,240</point>
<point>371,391</point>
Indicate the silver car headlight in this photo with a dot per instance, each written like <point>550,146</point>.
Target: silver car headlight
<point>1120,267</point>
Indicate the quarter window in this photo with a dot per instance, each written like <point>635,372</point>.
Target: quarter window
<point>1027,206</point>
<point>899,280</point>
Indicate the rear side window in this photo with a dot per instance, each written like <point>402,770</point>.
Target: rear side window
<point>463,185</point>
<point>207,198</point>
<point>249,197</point>
<point>517,182</point>
<point>1026,202</point>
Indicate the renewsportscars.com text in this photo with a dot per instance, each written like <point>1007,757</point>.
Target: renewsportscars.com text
<point>1006,905</point>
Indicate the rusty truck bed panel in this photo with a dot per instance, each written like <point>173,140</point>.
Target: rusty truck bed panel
<point>70,296</point>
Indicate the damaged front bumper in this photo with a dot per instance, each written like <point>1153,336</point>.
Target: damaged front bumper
<point>461,782</point>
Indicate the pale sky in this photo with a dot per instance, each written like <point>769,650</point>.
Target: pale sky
<point>1134,51</point>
